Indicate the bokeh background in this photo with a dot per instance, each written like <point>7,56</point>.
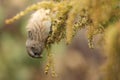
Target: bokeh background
<point>16,64</point>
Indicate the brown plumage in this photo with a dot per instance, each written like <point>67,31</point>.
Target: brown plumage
<point>38,29</point>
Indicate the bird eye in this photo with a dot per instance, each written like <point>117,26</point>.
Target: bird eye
<point>30,35</point>
<point>33,49</point>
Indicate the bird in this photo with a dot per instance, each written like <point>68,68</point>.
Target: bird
<point>38,29</point>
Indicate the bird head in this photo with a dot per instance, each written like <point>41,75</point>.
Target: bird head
<point>38,29</point>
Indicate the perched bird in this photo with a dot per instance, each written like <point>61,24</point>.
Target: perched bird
<point>38,29</point>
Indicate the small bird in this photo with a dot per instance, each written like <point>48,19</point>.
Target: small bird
<point>38,29</point>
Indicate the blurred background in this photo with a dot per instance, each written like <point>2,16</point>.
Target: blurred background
<point>16,64</point>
